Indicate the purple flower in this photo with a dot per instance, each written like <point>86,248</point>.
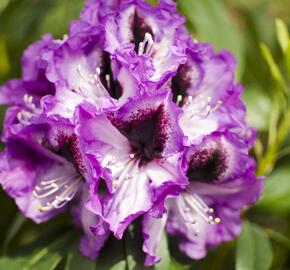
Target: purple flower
<point>127,101</point>
<point>203,87</point>
<point>222,181</point>
<point>91,243</point>
<point>83,71</point>
<point>138,151</point>
<point>34,82</point>
<point>24,95</point>
<point>95,10</point>
<point>42,168</point>
<point>152,30</point>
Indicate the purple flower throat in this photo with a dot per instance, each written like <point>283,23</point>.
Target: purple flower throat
<point>57,192</point>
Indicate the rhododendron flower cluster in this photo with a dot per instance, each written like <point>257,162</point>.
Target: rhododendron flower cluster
<point>128,101</point>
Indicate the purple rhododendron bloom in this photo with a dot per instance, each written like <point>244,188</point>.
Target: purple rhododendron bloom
<point>222,181</point>
<point>138,151</point>
<point>129,103</point>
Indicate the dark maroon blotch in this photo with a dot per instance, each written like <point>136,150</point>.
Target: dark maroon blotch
<point>147,132</point>
<point>139,29</point>
<point>207,165</point>
<point>180,83</point>
<point>114,88</point>
<point>69,149</point>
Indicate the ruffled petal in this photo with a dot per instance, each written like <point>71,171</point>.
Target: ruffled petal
<point>23,167</point>
<point>127,159</point>
<point>90,243</point>
<point>153,228</point>
<point>152,30</point>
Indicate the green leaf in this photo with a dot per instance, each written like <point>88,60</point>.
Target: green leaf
<point>287,58</point>
<point>258,107</point>
<point>254,251</point>
<point>279,238</point>
<point>4,61</point>
<point>277,189</point>
<point>48,262</point>
<point>47,258</point>
<point>212,24</point>
<point>112,256</point>
<point>282,34</point>
<point>76,260</point>
<point>118,266</point>
<point>58,19</point>
<point>12,263</point>
<point>15,226</point>
<point>275,71</point>
<point>152,2</point>
<point>3,4</point>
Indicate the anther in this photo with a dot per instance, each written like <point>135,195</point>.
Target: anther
<point>179,99</point>
<point>115,182</point>
<point>107,77</point>
<point>98,71</point>
<point>218,104</point>
<point>211,211</point>
<point>217,220</point>
<point>145,47</point>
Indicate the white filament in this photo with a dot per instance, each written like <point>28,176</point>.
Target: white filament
<point>57,192</point>
<point>145,47</point>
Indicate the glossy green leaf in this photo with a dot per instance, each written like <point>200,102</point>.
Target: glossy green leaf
<point>254,251</point>
<point>212,24</point>
<point>58,19</point>
<point>258,107</point>
<point>76,260</point>
<point>119,266</point>
<point>275,71</point>
<point>282,34</point>
<point>277,189</point>
<point>48,262</point>
<point>16,225</point>
<point>46,258</point>
<point>12,263</point>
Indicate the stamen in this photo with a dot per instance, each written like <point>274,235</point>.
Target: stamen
<point>179,99</point>
<point>218,104</point>
<point>108,80</point>
<point>203,107</point>
<point>111,161</point>
<point>125,175</point>
<point>124,169</point>
<point>193,204</point>
<point>28,100</point>
<point>187,101</point>
<point>24,117</point>
<point>116,183</point>
<point>145,47</point>
<point>124,158</point>
<point>57,192</point>
<point>87,82</point>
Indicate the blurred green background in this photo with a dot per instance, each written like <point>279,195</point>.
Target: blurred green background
<point>250,30</point>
